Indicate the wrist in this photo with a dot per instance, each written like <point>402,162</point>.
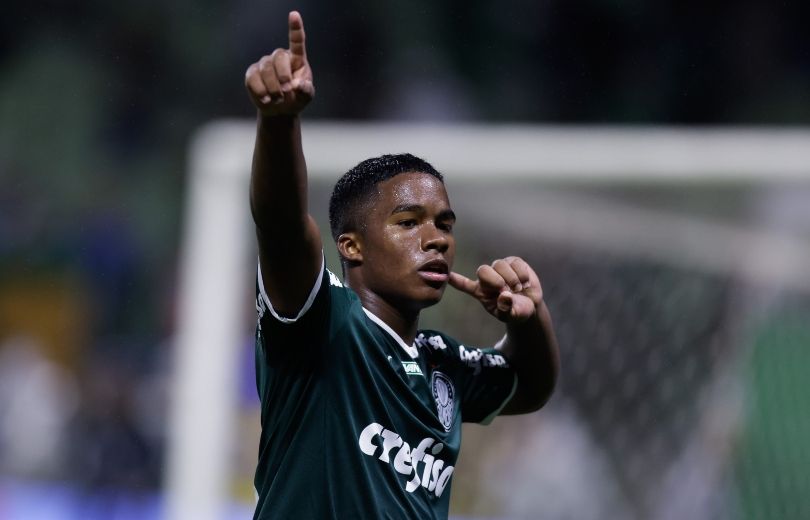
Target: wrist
<point>276,120</point>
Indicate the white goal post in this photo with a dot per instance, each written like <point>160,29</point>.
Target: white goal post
<point>214,286</point>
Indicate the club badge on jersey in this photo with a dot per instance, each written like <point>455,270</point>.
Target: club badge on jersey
<point>443,394</point>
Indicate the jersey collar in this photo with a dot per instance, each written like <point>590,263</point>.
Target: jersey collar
<point>410,350</point>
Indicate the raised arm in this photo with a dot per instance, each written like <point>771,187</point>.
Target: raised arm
<point>280,86</point>
<point>510,290</point>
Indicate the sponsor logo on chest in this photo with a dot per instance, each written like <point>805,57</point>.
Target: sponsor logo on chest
<point>421,462</point>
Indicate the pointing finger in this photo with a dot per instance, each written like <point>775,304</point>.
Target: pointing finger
<point>297,46</point>
<point>462,283</point>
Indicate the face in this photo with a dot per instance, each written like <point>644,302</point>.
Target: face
<point>407,245</point>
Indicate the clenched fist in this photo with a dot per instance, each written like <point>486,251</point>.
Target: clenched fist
<point>281,82</point>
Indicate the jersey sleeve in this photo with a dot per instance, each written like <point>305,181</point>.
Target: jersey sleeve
<point>265,306</point>
<point>302,335</point>
<point>489,383</point>
<point>485,380</point>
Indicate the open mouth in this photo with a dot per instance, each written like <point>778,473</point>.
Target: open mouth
<point>435,271</point>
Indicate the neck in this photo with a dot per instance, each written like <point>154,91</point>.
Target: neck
<point>403,323</point>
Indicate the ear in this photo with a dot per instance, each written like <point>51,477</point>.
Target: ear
<point>350,247</point>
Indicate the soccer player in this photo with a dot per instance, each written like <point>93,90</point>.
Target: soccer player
<point>361,411</point>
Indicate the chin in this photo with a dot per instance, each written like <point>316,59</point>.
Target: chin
<point>417,299</point>
<point>434,297</point>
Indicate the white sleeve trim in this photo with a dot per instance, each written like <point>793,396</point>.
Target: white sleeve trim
<point>312,294</point>
<point>489,418</point>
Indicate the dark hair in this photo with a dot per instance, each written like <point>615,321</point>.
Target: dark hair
<point>356,185</point>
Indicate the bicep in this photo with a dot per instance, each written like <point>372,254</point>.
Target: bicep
<point>290,266</point>
<point>489,384</point>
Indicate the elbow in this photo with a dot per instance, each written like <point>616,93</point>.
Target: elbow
<point>541,396</point>
<point>535,389</point>
<point>528,399</point>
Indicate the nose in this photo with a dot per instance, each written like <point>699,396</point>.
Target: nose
<point>434,238</point>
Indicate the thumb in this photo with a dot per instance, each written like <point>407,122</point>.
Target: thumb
<point>305,87</point>
<point>504,302</point>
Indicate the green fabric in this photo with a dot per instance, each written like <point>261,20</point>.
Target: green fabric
<point>347,412</point>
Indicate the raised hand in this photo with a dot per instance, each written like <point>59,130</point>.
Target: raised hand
<point>508,289</point>
<point>281,82</point>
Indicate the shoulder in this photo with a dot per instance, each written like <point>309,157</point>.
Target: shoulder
<point>437,345</point>
<point>344,300</point>
<point>328,303</point>
<point>334,281</point>
<point>434,340</point>
<point>440,346</point>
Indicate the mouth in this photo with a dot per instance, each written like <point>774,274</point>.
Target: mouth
<point>436,271</point>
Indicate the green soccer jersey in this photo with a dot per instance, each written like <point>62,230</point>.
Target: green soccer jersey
<point>356,424</point>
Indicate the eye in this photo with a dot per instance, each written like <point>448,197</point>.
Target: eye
<point>407,223</point>
<point>445,226</point>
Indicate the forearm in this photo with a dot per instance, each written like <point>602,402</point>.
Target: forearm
<point>278,183</point>
<point>530,346</point>
<point>289,241</point>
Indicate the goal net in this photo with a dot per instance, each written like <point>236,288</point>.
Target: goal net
<point>676,264</point>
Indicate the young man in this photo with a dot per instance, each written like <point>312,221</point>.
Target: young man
<point>361,411</point>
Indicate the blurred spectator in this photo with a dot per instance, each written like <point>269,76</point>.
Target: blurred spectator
<point>110,452</point>
<point>37,401</point>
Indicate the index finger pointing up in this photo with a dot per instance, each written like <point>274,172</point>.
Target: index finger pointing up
<point>298,50</point>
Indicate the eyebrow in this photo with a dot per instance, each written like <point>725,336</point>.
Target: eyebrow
<point>446,214</point>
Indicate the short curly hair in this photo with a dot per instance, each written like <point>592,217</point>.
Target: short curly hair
<point>356,186</point>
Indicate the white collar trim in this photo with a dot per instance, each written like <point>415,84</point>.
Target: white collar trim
<point>410,350</point>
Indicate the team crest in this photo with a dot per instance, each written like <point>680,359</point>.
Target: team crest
<point>443,393</point>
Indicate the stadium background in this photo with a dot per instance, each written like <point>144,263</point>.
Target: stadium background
<point>685,390</point>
